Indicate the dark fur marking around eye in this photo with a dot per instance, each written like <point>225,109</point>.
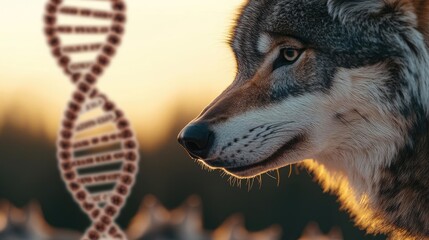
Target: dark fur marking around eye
<point>282,61</point>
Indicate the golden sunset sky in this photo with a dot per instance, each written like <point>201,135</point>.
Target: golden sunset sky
<point>174,53</point>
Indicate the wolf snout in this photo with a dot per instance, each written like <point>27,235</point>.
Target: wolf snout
<point>197,139</point>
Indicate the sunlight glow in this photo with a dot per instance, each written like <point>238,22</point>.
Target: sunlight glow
<point>174,57</point>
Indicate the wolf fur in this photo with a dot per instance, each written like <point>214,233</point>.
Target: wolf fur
<point>356,101</point>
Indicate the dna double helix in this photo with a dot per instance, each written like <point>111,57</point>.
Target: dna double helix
<point>97,150</point>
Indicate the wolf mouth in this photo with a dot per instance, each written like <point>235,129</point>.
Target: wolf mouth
<point>287,147</point>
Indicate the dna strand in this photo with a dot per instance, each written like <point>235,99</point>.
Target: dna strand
<point>97,150</point>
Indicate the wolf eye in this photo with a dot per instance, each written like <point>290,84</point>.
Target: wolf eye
<point>290,54</point>
<point>287,56</point>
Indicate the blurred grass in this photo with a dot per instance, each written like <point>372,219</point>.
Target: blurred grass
<point>28,171</point>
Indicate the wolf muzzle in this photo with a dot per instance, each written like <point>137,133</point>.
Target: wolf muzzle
<point>197,139</point>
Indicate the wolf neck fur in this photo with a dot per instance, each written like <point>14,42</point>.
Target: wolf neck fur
<point>401,194</point>
<point>385,187</point>
<point>384,198</point>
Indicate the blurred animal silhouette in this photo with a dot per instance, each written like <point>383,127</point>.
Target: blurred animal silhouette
<point>343,82</point>
<point>154,222</point>
<point>312,232</point>
<point>29,224</point>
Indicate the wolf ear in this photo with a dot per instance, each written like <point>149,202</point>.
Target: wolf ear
<point>349,9</point>
<point>346,10</point>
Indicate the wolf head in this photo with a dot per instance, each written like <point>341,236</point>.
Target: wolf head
<point>315,79</point>
<point>343,82</point>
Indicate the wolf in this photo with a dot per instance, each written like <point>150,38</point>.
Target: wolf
<point>344,83</point>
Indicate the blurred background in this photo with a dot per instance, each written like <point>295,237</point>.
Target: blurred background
<point>173,61</point>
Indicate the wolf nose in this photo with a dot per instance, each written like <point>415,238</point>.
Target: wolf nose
<point>197,140</point>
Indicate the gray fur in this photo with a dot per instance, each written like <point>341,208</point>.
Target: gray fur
<point>352,34</point>
<point>347,34</point>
